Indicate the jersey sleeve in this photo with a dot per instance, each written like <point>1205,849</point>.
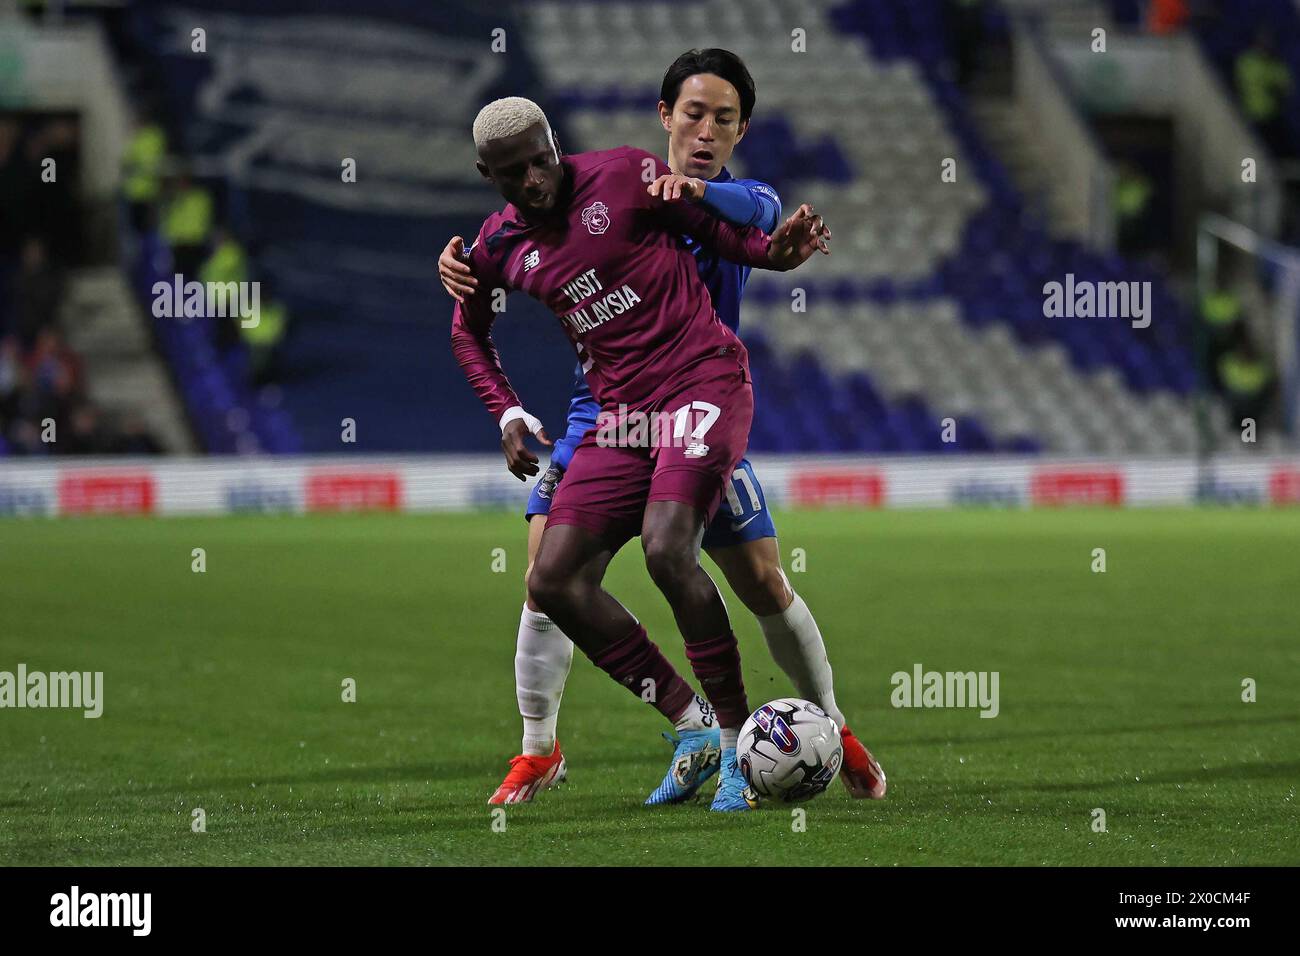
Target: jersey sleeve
<point>471,336</point>
<point>744,202</point>
<point>746,246</point>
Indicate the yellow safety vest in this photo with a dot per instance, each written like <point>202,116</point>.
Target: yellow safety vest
<point>226,264</point>
<point>1242,376</point>
<point>1131,195</point>
<point>1262,82</point>
<point>188,218</point>
<point>142,164</point>
<point>270,327</point>
<point>1220,308</point>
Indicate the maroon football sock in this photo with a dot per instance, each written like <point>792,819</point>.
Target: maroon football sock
<point>717,667</point>
<point>635,659</point>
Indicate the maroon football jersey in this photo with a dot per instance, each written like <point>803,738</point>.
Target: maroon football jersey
<point>612,267</point>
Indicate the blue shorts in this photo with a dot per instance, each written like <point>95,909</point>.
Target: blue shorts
<point>742,516</point>
<point>539,500</point>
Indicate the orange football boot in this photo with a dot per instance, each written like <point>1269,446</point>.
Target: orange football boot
<point>529,774</point>
<point>861,772</point>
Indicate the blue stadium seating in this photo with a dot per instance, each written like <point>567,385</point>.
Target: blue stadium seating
<point>370,336</point>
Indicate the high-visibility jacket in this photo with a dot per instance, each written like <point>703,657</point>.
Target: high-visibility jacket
<point>187,220</point>
<point>142,164</point>
<point>1241,375</point>
<point>226,264</point>
<point>1131,196</point>
<point>1220,308</point>
<point>1263,82</point>
<point>270,328</point>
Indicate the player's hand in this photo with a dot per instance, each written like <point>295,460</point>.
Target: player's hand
<point>796,239</point>
<point>672,187</point>
<point>521,462</point>
<point>454,271</point>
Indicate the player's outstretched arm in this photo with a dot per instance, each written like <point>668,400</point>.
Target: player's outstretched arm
<point>790,246</point>
<point>454,271</point>
<point>671,187</point>
<point>738,203</point>
<point>797,239</point>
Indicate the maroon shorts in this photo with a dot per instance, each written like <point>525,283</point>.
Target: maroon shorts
<point>682,448</point>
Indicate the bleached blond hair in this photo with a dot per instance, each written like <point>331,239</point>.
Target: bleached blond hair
<point>506,117</point>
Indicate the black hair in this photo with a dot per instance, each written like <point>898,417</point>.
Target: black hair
<point>721,63</point>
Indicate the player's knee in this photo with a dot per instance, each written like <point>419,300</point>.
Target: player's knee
<point>548,588</point>
<point>668,562</point>
<point>766,593</point>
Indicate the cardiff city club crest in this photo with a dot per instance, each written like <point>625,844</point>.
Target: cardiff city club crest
<point>596,218</point>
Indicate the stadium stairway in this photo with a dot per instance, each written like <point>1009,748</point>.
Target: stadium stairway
<point>353,260</point>
<point>1228,36</point>
<point>1011,137</point>
<point>1223,38</point>
<point>1071,18</point>
<point>104,325</point>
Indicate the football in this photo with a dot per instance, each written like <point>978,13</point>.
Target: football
<point>789,750</point>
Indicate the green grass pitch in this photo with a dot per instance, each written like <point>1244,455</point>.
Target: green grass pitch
<point>1120,691</point>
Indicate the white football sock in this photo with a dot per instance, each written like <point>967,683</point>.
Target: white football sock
<point>730,738</point>
<point>697,716</point>
<point>798,649</point>
<point>543,656</point>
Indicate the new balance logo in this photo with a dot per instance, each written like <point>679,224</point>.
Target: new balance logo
<point>532,259</point>
<point>696,449</point>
